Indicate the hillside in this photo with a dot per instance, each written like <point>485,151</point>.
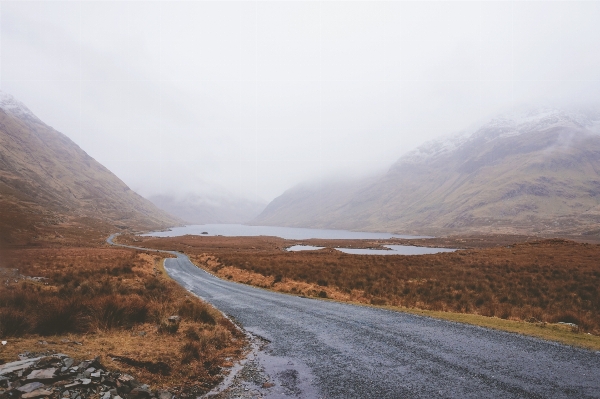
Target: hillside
<point>205,209</point>
<point>48,183</point>
<point>533,171</point>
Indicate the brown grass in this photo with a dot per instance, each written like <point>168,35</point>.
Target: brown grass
<point>113,301</point>
<point>545,281</point>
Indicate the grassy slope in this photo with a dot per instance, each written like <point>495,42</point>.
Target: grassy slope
<point>533,183</point>
<point>47,181</point>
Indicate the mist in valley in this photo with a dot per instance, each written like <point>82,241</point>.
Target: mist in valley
<point>223,106</point>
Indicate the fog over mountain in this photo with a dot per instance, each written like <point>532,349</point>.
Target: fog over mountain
<point>527,171</point>
<point>47,182</point>
<point>256,97</point>
<point>209,208</point>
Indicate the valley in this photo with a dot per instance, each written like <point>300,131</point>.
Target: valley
<point>533,171</point>
<point>530,282</point>
<point>289,199</point>
<point>309,348</point>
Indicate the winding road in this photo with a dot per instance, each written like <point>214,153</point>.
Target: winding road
<point>324,349</point>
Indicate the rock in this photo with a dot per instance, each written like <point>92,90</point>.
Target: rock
<point>84,365</point>
<point>27,379</point>
<point>89,372</point>
<point>32,386</point>
<point>268,385</point>
<point>73,384</point>
<point>46,362</point>
<point>43,374</point>
<point>17,366</point>
<point>140,393</point>
<point>174,319</point>
<point>164,395</point>
<point>36,394</point>
<point>125,378</point>
<point>14,384</point>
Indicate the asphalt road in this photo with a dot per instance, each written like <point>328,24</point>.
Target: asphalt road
<point>333,350</point>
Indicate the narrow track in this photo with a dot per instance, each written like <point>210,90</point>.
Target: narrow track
<point>334,350</point>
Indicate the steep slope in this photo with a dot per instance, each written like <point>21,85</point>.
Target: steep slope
<point>47,180</point>
<point>201,209</point>
<point>528,172</point>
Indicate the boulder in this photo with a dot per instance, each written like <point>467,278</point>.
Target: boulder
<point>17,366</point>
<point>32,386</point>
<point>43,374</point>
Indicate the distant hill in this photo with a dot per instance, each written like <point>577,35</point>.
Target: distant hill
<point>532,171</point>
<point>48,182</point>
<point>203,209</point>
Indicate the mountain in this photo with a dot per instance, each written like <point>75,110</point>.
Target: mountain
<point>203,209</point>
<point>48,182</point>
<point>528,171</point>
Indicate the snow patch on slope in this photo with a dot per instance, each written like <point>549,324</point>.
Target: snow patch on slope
<point>513,123</point>
<point>11,105</point>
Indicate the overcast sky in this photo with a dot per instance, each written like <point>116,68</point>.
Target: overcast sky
<point>253,98</point>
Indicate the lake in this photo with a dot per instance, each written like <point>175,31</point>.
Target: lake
<point>288,233</point>
<point>395,250</point>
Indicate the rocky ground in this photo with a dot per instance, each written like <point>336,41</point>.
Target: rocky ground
<point>55,376</point>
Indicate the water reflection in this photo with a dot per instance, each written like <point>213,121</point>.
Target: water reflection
<point>303,248</point>
<point>395,250</point>
<point>288,233</point>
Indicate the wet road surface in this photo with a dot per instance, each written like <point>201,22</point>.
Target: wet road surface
<point>333,350</point>
<point>323,349</point>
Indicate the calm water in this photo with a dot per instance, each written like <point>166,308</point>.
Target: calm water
<point>395,250</point>
<point>288,233</point>
<point>303,248</point>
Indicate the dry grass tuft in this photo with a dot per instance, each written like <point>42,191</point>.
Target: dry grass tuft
<point>113,303</point>
<point>546,281</point>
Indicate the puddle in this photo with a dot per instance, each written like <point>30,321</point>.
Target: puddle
<point>303,248</point>
<point>395,250</point>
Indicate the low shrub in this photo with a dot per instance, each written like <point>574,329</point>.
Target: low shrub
<point>197,311</point>
<point>13,323</point>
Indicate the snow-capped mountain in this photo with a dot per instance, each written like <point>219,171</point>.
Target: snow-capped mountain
<point>526,171</point>
<point>13,106</point>
<point>513,123</point>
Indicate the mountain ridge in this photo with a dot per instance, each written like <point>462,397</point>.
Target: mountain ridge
<point>47,180</point>
<point>533,174</point>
